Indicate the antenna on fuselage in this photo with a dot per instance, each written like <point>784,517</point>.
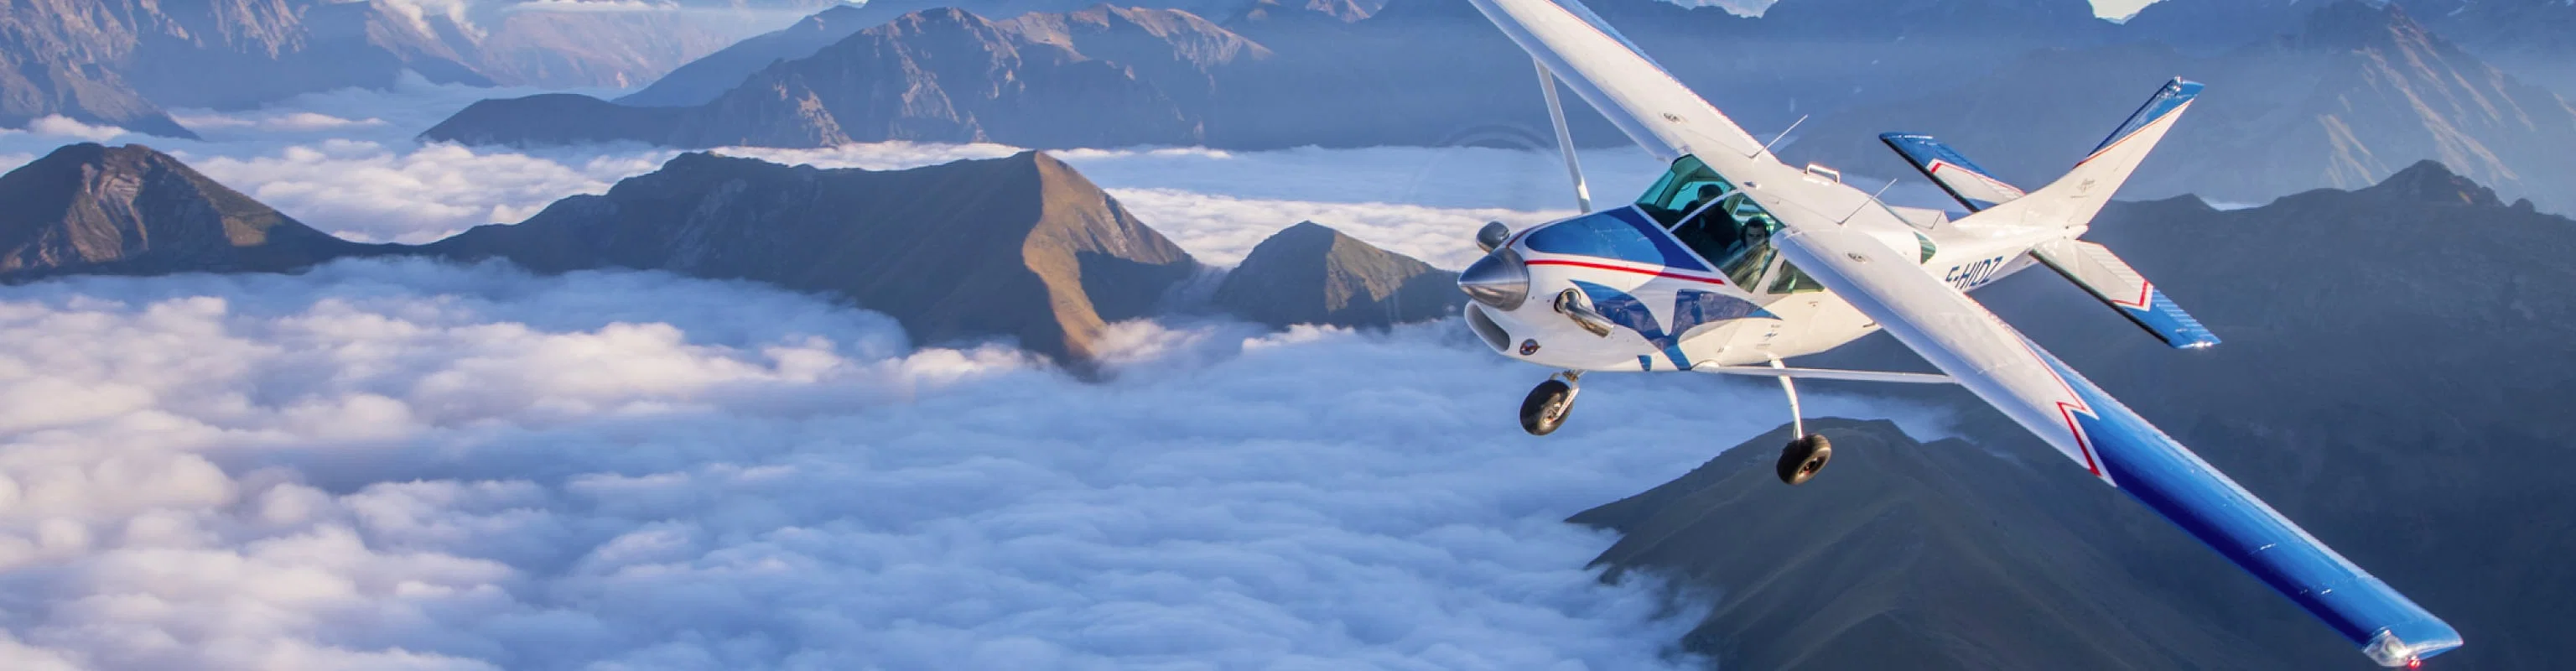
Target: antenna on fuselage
<point>1873,198</point>
<point>1564,139</point>
<point>1784,134</point>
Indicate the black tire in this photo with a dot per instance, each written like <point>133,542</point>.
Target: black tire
<point>1803,458</point>
<point>1546,407</point>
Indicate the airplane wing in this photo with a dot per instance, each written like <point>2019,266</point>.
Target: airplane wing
<point>1968,343</point>
<point>1961,338</point>
<point>1655,110</point>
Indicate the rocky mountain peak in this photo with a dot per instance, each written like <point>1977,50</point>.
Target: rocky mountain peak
<point>134,210</point>
<point>2431,182</point>
<point>1022,248</point>
<point>1338,11</point>
<point>1312,274</point>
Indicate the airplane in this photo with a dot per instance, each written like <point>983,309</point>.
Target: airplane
<point>1734,261</point>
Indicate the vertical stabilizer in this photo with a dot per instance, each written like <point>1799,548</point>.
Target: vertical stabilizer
<point>2072,200</point>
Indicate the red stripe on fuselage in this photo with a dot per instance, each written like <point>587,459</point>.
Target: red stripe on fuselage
<point>1600,266</point>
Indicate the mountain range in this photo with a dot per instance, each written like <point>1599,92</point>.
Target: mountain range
<point>2357,94</point>
<point>1022,248</point>
<point>121,62</point>
<point>2302,95</point>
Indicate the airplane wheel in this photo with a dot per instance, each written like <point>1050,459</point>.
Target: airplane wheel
<point>1800,461</point>
<point>1546,407</point>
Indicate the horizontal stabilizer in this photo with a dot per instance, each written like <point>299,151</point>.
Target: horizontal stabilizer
<point>2095,268</point>
<point>1964,179</point>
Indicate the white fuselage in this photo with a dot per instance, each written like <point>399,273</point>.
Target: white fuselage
<point>1748,308</point>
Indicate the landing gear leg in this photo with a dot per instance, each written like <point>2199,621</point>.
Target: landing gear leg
<point>1549,403</point>
<point>1804,457</point>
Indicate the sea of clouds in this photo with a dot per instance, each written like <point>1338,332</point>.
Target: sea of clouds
<point>407,464</point>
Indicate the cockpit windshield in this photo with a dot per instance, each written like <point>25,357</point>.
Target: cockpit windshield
<point>1712,217</point>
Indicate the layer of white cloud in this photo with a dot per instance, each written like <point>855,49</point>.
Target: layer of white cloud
<point>401,464</point>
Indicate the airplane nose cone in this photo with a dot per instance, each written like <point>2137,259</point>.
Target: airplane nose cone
<point>1499,280</point>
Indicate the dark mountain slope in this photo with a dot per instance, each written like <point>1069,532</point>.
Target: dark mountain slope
<point>1411,72</point>
<point>1940,555</point>
<point>1038,253</point>
<point>2534,39</point>
<point>91,209</point>
<point>1312,274</point>
<point>940,75</point>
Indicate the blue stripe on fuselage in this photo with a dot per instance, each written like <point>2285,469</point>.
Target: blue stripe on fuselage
<point>1624,234</point>
<point>1692,308</point>
<point>2165,476</point>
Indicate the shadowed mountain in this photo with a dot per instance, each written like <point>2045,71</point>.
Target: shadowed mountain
<point>119,62</point>
<point>1037,253</point>
<point>702,80</point>
<point>1022,248</point>
<point>621,48</point>
<point>2393,376</point>
<point>1941,555</point>
<point>1410,72</point>
<point>1101,77</point>
<point>91,209</point>
<point>2534,39</point>
<point>2361,92</point>
<point>1311,274</point>
<point>2210,27</point>
<point>240,53</point>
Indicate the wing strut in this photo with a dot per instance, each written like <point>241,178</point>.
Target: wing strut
<point>1564,140</point>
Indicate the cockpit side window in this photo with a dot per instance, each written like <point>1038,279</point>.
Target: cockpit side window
<point>1713,218</point>
<point>1687,186</point>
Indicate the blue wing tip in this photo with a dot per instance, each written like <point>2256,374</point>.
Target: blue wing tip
<point>2404,644</point>
<point>2170,323</point>
<point>2201,340</point>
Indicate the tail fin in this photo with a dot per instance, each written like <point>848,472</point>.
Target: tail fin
<point>1964,179</point>
<point>2072,200</point>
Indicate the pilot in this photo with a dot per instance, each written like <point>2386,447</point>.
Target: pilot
<point>1707,192</point>
<point>1707,233</point>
